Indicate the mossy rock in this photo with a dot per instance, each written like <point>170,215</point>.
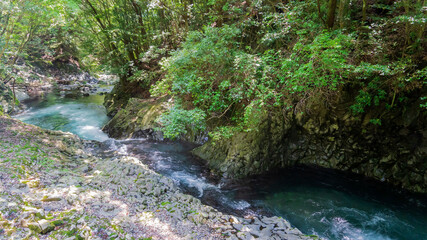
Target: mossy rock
<point>43,226</point>
<point>247,153</point>
<point>324,140</point>
<point>119,97</point>
<point>137,118</point>
<point>6,99</point>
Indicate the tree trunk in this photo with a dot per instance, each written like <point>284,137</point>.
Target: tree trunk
<point>342,9</point>
<point>363,12</point>
<point>330,20</point>
<point>14,94</point>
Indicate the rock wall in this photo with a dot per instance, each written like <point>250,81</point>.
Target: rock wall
<point>395,152</point>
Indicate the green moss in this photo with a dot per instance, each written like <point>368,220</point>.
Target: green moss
<point>139,115</point>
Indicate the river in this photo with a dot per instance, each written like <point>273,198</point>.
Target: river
<point>321,202</point>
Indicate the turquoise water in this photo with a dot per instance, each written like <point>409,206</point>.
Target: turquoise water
<point>83,116</point>
<point>320,202</point>
<point>336,206</point>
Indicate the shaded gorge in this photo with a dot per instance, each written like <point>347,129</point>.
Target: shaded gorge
<point>317,201</point>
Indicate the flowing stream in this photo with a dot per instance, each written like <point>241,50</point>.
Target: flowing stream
<point>320,202</point>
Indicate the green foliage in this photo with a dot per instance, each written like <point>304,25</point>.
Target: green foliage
<point>284,58</point>
<point>424,105</point>
<point>121,33</point>
<point>371,95</point>
<point>32,32</point>
<point>227,82</point>
<point>363,100</point>
<point>223,132</point>
<point>143,77</point>
<point>375,121</point>
<point>319,64</point>
<point>382,83</point>
<point>202,69</point>
<point>178,122</point>
<point>232,62</point>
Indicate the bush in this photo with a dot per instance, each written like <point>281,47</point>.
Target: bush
<point>178,122</point>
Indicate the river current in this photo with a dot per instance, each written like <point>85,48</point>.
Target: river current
<point>321,202</point>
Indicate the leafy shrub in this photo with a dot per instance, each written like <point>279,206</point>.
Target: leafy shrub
<point>202,70</point>
<point>178,122</point>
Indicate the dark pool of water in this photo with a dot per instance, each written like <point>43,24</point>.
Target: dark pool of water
<point>338,206</point>
<point>320,202</point>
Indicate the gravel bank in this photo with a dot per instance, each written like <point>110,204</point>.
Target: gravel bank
<point>51,188</point>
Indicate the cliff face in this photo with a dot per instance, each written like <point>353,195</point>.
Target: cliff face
<point>327,136</point>
<point>395,152</point>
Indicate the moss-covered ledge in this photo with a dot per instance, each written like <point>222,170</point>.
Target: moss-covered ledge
<point>137,119</point>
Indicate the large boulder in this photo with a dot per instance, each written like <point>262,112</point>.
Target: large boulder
<point>137,119</point>
<point>249,153</point>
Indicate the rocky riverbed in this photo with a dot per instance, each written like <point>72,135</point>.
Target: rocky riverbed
<point>53,188</point>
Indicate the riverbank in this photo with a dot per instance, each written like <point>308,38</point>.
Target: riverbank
<point>52,187</point>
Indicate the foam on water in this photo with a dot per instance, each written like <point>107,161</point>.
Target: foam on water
<point>192,181</point>
<point>235,204</point>
<point>123,150</point>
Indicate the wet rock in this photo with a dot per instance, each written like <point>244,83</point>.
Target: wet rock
<point>143,112</point>
<point>21,95</point>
